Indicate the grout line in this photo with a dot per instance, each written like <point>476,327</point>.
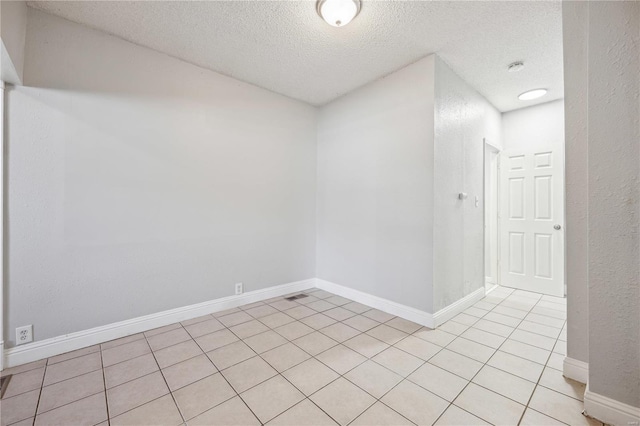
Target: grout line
<point>104,384</point>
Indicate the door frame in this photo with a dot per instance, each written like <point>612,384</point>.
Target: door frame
<point>487,143</point>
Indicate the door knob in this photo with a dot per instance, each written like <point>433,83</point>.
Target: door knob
<point>557,227</point>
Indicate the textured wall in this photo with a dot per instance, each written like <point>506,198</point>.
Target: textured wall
<point>375,188</point>
<point>13,27</point>
<point>575,29</point>
<point>614,200</point>
<point>463,118</point>
<point>139,183</point>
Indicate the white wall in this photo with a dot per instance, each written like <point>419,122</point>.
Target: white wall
<point>375,188</point>
<point>538,126</point>
<point>139,183</point>
<point>463,118</point>
<point>13,26</point>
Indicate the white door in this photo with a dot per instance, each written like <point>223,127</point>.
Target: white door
<point>531,224</point>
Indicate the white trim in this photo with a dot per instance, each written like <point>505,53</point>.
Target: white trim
<point>575,370</point>
<point>81,339</point>
<point>393,308</point>
<point>609,410</point>
<point>446,313</point>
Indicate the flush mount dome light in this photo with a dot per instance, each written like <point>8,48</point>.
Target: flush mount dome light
<point>338,13</point>
<point>532,94</point>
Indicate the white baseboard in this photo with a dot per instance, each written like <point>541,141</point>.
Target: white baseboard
<point>393,308</point>
<point>609,410</point>
<point>445,314</point>
<point>575,370</point>
<point>58,345</point>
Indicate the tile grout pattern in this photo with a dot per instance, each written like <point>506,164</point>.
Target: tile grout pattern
<point>258,363</point>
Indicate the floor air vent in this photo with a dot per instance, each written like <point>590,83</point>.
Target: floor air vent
<point>297,296</point>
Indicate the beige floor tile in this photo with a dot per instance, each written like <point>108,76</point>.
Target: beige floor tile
<point>135,393</point>
<point>418,347</point>
<point>170,338</point>
<point>562,307</point>
<point>129,370</point>
<point>489,406</point>
<point>88,411</point>
<point>494,328</point>
<point>342,400</point>
<point>511,312</point>
<point>300,312</point>
<point>549,312</point>
<point>380,415</point>
<point>366,345</point>
<point>505,384</point>
<point>533,418</point>
<point>457,364</point>
<point>161,412</point>
<point>202,395</point>
<point>483,337</point>
<point>320,305</point>
<point>560,347</point>
<point>378,315</point>
<point>455,416</point>
<point>341,359</point>
<point>387,334</point>
<point>235,318</point>
<point>196,320</point>
<point>24,367</point>
<point>293,330</point>
<point>271,398</point>
<point>483,304</point>
<point>361,323</point>
<point>521,367</point>
<point>225,312</point>
<point>122,353</point>
<point>307,300</point>
<point>72,368</point>
<point>305,413</point>
<point>474,311</point>
<point>177,353</point>
<point>453,327</point>
<point>71,390</point>
<point>415,403</point>
<point>318,321</point>
<point>161,330</point>
<point>339,314</point>
<point>19,407</point>
<point>356,307</point>
<point>230,355</point>
<point>559,406</point>
<point>187,372</point>
<point>339,332</point>
<point>553,379</point>
<point>338,300</point>
<point>248,329</point>
<point>233,412</point>
<point>437,337</point>
<point>533,339</point>
<point>532,353</point>
<point>310,376</point>
<point>265,341</point>
<point>255,304</point>
<point>24,382</point>
<point>204,327</point>
<point>556,361</point>
<point>373,378</point>
<point>519,304</point>
<point>248,373</point>
<point>276,320</point>
<point>261,311</point>
<point>117,342</point>
<point>29,422</point>
<point>502,319</point>
<point>284,357</point>
<point>471,349</point>
<point>545,320</point>
<point>322,294</point>
<point>283,305</point>
<point>398,361</point>
<point>404,325</point>
<point>465,319</point>
<point>315,343</point>
<point>438,381</point>
<point>73,354</point>
<point>216,340</point>
<point>544,330</point>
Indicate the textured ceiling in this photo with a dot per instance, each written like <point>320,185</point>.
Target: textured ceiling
<point>285,47</point>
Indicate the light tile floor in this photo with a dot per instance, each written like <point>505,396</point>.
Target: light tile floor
<point>320,360</point>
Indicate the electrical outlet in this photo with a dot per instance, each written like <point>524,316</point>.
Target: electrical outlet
<point>24,334</point>
<point>239,288</point>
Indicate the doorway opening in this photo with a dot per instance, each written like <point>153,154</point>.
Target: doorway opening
<point>491,216</point>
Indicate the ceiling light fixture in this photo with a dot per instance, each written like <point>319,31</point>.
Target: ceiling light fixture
<point>338,13</point>
<point>532,94</point>
<point>515,66</point>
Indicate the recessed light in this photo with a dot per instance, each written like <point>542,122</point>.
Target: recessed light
<point>532,94</point>
<point>515,66</point>
<point>338,13</point>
